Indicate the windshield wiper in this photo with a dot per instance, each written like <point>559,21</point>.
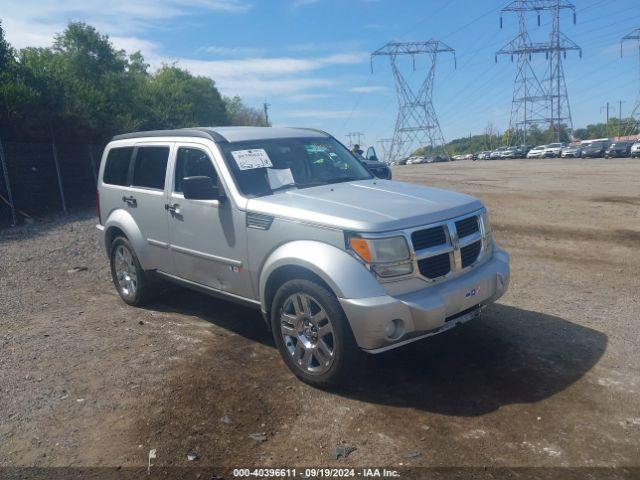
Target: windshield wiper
<point>285,186</point>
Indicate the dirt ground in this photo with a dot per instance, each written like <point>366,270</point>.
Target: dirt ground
<point>550,376</point>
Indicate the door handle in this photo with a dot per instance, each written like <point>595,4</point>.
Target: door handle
<point>175,208</point>
<point>131,201</point>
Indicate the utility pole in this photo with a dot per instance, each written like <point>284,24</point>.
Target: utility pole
<point>606,107</point>
<point>417,124</point>
<point>620,102</point>
<point>635,113</point>
<point>543,101</point>
<point>266,106</point>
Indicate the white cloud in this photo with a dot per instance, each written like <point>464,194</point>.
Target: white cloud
<point>33,23</point>
<point>130,25</point>
<point>230,51</point>
<point>321,114</point>
<point>368,89</point>
<point>303,3</point>
<point>269,67</point>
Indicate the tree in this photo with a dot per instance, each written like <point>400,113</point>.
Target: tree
<point>240,114</point>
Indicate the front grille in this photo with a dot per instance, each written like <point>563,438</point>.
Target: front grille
<point>434,267</point>
<point>470,253</point>
<point>467,226</point>
<point>430,237</point>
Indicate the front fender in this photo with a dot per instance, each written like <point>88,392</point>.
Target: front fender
<point>347,277</point>
<point>121,219</point>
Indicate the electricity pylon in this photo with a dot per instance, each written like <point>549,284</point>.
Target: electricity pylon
<point>417,123</point>
<point>529,105</point>
<point>385,143</point>
<point>554,84</point>
<point>635,113</point>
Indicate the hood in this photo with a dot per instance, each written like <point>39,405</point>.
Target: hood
<point>366,205</point>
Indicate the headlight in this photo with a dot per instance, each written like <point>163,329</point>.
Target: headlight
<point>387,257</point>
<point>487,228</point>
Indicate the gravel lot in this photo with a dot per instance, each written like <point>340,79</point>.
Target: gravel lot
<point>549,377</point>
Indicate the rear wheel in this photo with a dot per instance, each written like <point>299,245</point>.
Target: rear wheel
<point>312,333</point>
<point>131,281</point>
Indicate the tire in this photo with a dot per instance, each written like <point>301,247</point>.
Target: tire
<point>132,283</point>
<point>319,359</point>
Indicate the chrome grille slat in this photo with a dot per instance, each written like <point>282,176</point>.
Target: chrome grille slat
<point>429,237</point>
<point>467,226</point>
<point>434,267</point>
<point>447,248</point>
<point>470,253</point>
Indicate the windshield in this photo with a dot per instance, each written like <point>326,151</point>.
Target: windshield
<point>262,167</point>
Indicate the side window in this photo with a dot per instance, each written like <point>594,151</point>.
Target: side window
<point>116,169</point>
<point>191,162</point>
<point>150,167</point>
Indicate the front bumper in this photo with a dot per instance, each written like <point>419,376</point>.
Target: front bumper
<point>429,311</point>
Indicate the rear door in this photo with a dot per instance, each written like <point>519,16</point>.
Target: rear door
<point>146,197</point>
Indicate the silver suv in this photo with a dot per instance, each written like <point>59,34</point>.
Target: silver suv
<point>288,221</point>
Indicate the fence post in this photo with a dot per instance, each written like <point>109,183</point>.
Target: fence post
<point>93,164</point>
<point>55,160</point>
<point>5,172</point>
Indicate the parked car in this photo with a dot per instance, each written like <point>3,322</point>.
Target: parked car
<point>378,168</point>
<point>635,150</point>
<point>486,155</point>
<point>537,152</point>
<point>511,153</point>
<point>497,153</point>
<point>289,222</point>
<point>595,149</point>
<point>458,157</point>
<point>553,150</point>
<point>620,149</point>
<point>573,150</point>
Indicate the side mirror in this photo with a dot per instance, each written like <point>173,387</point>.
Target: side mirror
<point>202,188</point>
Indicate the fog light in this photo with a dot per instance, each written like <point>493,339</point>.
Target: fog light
<point>394,329</point>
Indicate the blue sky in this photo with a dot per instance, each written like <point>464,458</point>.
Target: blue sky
<point>310,58</point>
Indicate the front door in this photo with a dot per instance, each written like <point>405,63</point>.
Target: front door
<point>208,241</point>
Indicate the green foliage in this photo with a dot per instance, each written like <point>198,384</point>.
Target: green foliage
<point>83,89</point>
<point>616,127</point>
<point>240,114</point>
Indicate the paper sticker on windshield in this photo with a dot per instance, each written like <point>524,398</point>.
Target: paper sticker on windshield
<point>251,159</point>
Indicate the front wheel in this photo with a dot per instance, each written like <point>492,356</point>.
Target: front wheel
<point>312,333</point>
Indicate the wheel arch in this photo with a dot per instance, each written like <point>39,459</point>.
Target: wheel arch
<point>330,266</point>
<point>121,223</point>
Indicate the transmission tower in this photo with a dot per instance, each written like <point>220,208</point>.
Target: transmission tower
<point>529,105</point>
<point>385,143</point>
<point>635,113</point>
<point>552,90</point>
<point>417,124</point>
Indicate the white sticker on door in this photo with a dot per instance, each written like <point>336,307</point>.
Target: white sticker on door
<point>251,159</point>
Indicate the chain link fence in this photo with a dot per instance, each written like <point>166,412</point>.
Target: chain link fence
<point>42,178</point>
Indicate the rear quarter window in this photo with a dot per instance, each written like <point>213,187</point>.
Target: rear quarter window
<point>116,169</point>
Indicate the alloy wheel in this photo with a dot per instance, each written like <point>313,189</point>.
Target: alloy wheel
<point>307,333</point>
<point>126,272</point>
